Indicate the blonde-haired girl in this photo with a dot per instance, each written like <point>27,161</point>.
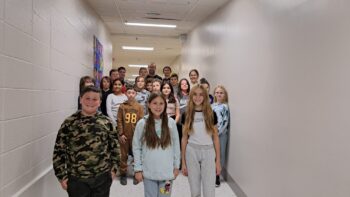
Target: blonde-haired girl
<point>221,108</point>
<point>200,144</point>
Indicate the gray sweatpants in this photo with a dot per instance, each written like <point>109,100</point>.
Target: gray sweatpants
<point>200,162</point>
<point>157,188</point>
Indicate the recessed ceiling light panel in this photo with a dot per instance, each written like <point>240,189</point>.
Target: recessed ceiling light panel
<point>138,66</point>
<point>150,25</point>
<point>138,48</point>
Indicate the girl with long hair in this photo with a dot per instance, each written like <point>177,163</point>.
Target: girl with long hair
<point>115,99</point>
<point>183,96</point>
<point>221,108</point>
<point>173,106</point>
<point>200,144</point>
<point>156,149</point>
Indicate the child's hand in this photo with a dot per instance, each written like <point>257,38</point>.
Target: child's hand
<point>64,184</point>
<point>176,172</point>
<point>113,174</point>
<point>184,170</point>
<point>139,176</point>
<point>122,139</point>
<point>218,168</point>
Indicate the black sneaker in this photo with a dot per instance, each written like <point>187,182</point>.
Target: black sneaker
<point>123,180</point>
<point>217,181</point>
<point>134,181</point>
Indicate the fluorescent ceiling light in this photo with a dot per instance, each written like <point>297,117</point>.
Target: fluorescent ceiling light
<point>150,25</point>
<point>138,66</point>
<point>135,75</point>
<point>138,48</point>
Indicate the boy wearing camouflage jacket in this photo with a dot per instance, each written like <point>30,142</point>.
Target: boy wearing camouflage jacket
<point>86,153</point>
<point>128,114</point>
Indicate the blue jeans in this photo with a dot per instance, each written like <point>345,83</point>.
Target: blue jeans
<point>223,138</point>
<point>157,188</point>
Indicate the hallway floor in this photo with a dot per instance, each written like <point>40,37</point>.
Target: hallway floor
<point>181,189</point>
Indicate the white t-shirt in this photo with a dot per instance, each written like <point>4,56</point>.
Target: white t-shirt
<point>200,136</point>
<point>112,105</point>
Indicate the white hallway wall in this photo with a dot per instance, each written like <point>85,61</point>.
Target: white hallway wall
<point>45,47</point>
<point>286,67</point>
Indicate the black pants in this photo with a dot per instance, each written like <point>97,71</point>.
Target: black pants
<point>92,187</point>
<point>179,129</point>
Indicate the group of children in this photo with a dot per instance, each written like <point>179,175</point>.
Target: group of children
<point>165,132</point>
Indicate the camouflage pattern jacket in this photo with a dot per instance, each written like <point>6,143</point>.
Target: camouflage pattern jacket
<point>86,146</point>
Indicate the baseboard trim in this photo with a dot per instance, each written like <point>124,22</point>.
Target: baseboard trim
<point>233,185</point>
<point>32,182</point>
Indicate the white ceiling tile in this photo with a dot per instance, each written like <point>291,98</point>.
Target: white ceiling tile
<point>187,15</point>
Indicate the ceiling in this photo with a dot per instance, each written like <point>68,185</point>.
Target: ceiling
<point>186,14</point>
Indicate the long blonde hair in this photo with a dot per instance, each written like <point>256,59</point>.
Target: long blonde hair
<point>206,109</point>
<point>225,92</point>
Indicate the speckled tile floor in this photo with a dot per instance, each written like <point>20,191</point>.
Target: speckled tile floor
<point>181,189</point>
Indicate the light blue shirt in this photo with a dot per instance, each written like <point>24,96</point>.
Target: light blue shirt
<point>157,163</point>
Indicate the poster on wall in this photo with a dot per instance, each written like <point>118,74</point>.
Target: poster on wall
<point>98,61</point>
